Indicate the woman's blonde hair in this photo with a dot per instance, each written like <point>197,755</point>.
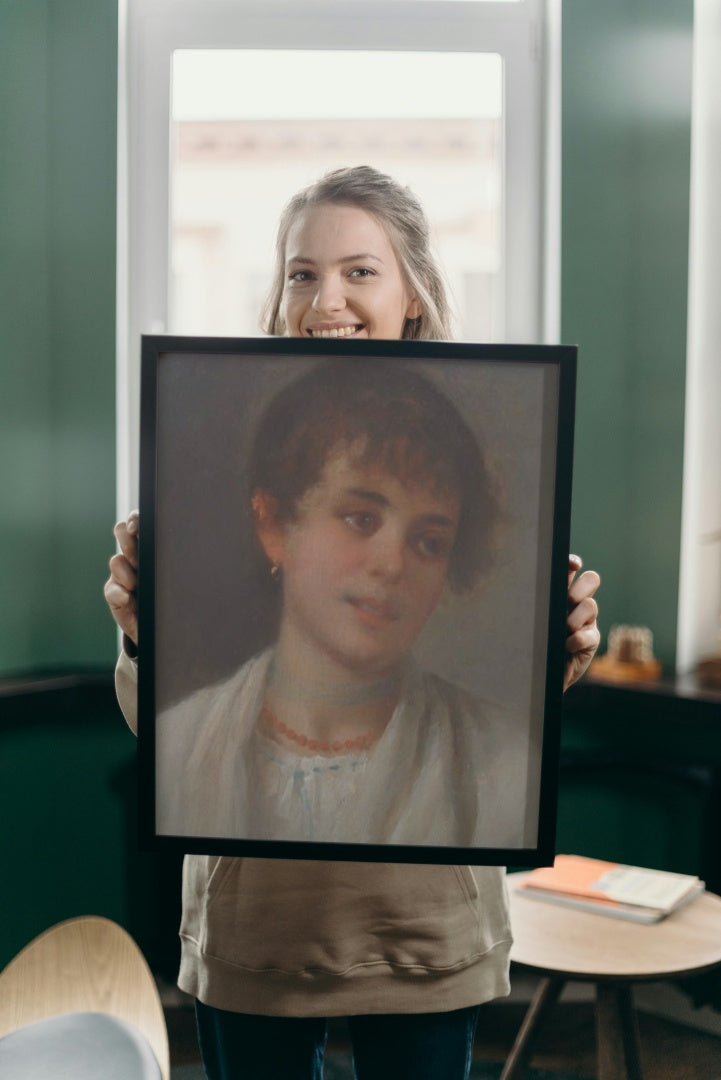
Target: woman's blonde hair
<point>403,217</point>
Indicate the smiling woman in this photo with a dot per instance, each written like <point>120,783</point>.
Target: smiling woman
<point>297,941</point>
<point>353,259</point>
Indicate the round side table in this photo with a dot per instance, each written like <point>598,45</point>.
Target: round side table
<point>563,944</point>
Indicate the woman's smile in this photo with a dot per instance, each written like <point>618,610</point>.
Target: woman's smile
<point>335,331</point>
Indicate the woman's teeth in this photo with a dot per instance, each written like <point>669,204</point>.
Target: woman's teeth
<point>337,331</point>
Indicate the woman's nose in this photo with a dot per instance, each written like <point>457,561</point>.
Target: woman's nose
<point>388,559</point>
<point>329,296</point>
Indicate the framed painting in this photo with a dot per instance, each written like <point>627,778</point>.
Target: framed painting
<point>352,597</point>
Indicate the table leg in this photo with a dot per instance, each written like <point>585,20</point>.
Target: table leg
<point>545,997</point>
<point>617,1033</point>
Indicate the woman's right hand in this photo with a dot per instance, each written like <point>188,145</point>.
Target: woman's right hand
<point>121,587</point>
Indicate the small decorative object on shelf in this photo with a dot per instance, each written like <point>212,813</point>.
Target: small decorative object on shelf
<point>709,670</point>
<point>629,657</point>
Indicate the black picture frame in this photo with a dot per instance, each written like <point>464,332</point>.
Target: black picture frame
<point>202,616</point>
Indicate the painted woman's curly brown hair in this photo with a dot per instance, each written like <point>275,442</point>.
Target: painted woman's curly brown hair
<point>382,414</point>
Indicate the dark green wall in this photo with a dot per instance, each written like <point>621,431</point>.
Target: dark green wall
<point>66,762</point>
<point>58,72</point>
<point>641,778</point>
<point>625,201</point>
<point>67,787</point>
<point>68,807</point>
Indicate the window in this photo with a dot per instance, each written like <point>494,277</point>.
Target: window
<point>227,107</point>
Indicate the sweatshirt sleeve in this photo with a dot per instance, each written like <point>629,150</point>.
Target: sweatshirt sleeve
<point>126,688</point>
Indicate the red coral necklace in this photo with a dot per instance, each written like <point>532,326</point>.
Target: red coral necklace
<point>323,746</point>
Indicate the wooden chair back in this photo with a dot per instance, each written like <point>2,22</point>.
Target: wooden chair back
<point>87,964</point>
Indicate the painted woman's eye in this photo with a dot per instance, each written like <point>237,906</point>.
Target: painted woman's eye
<point>433,545</point>
<point>362,521</point>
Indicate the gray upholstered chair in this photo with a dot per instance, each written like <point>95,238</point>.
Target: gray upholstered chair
<point>80,1002</point>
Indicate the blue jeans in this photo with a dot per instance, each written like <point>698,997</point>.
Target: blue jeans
<point>413,1046</point>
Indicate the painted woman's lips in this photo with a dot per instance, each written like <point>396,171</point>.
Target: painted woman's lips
<point>375,612</point>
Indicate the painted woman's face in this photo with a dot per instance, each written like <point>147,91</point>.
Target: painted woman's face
<point>364,565</point>
<point>342,277</point>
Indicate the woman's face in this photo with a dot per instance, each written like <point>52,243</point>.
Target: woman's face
<point>364,564</point>
<point>342,277</point>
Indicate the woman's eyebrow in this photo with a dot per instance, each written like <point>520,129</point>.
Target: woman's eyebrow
<point>360,257</point>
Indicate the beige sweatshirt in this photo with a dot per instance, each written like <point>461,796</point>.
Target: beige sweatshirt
<point>297,938</point>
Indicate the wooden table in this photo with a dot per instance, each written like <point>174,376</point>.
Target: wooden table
<point>563,944</point>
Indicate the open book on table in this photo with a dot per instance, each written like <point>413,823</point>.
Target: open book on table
<point>609,888</point>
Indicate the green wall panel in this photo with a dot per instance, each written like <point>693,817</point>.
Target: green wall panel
<point>58,75</point>
<point>82,299</point>
<point>68,798</point>
<point>26,487</point>
<point>626,145</point>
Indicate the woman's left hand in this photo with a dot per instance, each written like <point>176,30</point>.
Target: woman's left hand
<point>583,636</point>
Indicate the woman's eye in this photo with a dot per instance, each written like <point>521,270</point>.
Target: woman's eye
<point>433,546</point>
<point>300,276</point>
<point>362,272</point>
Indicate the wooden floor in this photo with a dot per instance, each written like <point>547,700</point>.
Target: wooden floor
<point>567,1042</point>
<point>669,1051</point>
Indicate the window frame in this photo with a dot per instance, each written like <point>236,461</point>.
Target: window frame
<point>698,633</point>
<point>526,34</point>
